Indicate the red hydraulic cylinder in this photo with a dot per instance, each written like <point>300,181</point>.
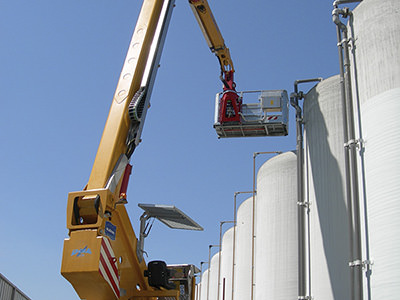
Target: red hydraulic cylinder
<point>230,105</point>
<point>125,181</point>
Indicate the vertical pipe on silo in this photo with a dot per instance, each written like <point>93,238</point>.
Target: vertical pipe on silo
<point>351,157</point>
<point>302,204</point>
<point>253,226</point>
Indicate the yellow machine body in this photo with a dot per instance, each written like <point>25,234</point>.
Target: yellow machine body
<point>81,255</point>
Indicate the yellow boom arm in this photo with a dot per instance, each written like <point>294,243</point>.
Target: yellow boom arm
<point>212,34</point>
<point>100,256</point>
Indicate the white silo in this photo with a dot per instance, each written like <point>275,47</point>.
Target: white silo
<point>325,190</point>
<point>197,291</point>
<point>276,255</point>
<point>212,290</point>
<point>375,59</point>
<point>225,279</point>
<point>203,286</point>
<point>243,245</point>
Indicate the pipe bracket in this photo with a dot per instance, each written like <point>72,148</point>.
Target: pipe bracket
<point>351,42</point>
<point>364,264</point>
<point>305,297</point>
<point>344,41</point>
<point>358,143</point>
<point>304,204</point>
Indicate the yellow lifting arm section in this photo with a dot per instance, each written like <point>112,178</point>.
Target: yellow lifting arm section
<point>212,34</point>
<point>100,257</point>
<point>230,102</point>
<point>113,141</point>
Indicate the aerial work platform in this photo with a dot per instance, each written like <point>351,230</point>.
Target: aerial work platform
<point>267,117</point>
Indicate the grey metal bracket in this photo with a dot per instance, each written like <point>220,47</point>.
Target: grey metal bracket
<point>351,42</point>
<point>344,41</point>
<point>304,204</point>
<point>364,264</point>
<point>145,228</point>
<point>359,143</point>
<point>305,297</point>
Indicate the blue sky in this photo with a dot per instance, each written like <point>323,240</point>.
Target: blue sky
<point>60,62</point>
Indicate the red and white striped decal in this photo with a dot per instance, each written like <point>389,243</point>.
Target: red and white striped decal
<point>272,118</point>
<point>108,266</point>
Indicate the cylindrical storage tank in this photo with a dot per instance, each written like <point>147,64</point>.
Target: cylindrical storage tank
<point>376,73</point>
<point>212,290</point>
<point>376,33</point>
<point>203,286</point>
<point>276,250</point>
<point>197,291</point>
<point>243,245</point>
<point>225,288</point>
<point>325,190</point>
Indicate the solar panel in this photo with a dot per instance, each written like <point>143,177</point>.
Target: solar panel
<point>170,216</point>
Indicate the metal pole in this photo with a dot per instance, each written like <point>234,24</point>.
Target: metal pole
<point>362,184</point>
<point>143,234</point>
<point>353,200</point>
<point>302,205</point>
<point>346,153</point>
<point>338,2</point>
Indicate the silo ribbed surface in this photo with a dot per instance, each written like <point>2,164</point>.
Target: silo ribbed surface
<point>213,278</point>
<point>276,256</point>
<point>325,185</point>
<point>203,286</point>
<point>377,51</point>
<point>242,280</point>
<point>225,291</point>
<point>377,73</point>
